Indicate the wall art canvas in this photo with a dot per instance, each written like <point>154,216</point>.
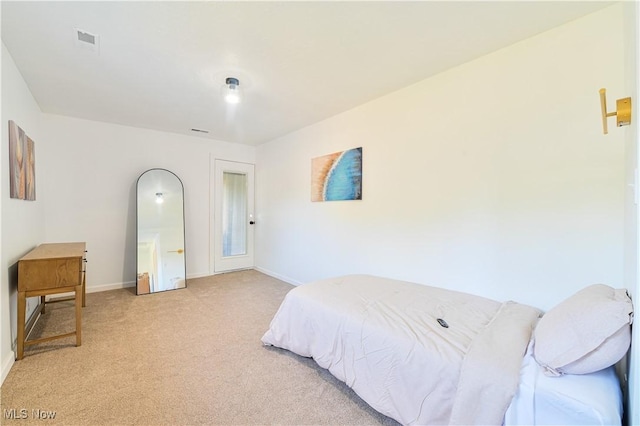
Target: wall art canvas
<point>337,176</point>
<point>22,164</point>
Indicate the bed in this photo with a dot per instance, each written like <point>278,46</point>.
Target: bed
<point>426,355</point>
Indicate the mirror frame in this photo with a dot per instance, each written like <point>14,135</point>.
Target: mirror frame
<point>184,234</point>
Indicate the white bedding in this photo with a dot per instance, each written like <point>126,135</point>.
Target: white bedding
<point>382,338</point>
<point>585,399</point>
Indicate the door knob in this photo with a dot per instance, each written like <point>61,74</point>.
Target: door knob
<point>251,222</point>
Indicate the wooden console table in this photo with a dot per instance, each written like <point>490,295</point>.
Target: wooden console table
<point>51,269</point>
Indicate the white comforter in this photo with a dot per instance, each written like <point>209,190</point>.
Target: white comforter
<point>382,338</point>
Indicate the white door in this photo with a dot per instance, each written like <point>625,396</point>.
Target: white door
<point>233,219</point>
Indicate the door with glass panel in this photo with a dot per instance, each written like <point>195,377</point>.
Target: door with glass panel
<point>233,218</point>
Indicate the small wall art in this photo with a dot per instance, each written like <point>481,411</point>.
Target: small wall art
<point>22,164</point>
<point>337,176</point>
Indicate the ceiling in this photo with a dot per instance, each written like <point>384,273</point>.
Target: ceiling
<point>161,65</point>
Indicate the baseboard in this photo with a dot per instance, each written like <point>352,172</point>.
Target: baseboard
<point>32,317</point>
<point>107,287</point>
<point>200,275</point>
<point>7,364</point>
<point>117,286</point>
<point>278,276</point>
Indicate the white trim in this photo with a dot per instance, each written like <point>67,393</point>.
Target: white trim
<point>212,244</point>
<point>7,364</point>
<point>127,284</point>
<point>97,289</point>
<point>200,275</point>
<point>117,286</point>
<point>633,383</point>
<point>278,276</point>
<point>107,287</point>
<point>219,263</point>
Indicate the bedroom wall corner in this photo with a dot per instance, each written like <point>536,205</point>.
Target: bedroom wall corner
<point>22,221</point>
<point>632,216</point>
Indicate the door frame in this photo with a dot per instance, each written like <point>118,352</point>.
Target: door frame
<point>214,267</point>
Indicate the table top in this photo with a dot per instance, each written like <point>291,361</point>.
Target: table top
<point>56,251</point>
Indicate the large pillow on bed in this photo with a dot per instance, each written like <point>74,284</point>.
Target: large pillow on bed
<point>587,332</point>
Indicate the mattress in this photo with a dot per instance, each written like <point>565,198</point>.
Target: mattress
<point>586,399</point>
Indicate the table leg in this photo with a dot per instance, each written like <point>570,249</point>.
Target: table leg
<point>43,300</point>
<point>22,302</point>
<point>79,300</point>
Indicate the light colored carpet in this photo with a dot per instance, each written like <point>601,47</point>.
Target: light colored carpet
<point>183,357</point>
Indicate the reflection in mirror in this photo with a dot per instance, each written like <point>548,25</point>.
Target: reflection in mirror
<point>160,230</point>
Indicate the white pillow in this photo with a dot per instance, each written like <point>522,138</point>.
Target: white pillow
<point>587,332</point>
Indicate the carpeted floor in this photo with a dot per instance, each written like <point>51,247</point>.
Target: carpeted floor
<point>183,357</point>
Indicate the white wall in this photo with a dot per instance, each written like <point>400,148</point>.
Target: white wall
<point>90,190</point>
<point>22,221</point>
<point>632,55</point>
<point>492,178</point>
<point>85,188</point>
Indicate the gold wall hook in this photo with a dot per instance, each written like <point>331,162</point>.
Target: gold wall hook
<point>622,113</point>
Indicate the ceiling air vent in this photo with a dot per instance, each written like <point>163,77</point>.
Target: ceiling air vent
<point>87,41</point>
<point>199,131</point>
<point>86,37</point>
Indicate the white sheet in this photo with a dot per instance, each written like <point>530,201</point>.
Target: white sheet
<point>381,337</point>
<point>590,399</point>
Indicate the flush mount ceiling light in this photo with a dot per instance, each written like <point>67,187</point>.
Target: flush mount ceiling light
<point>231,91</point>
<point>159,197</point>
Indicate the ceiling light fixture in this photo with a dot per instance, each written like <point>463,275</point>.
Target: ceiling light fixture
<point>231,90</point>
<point>159,197</point>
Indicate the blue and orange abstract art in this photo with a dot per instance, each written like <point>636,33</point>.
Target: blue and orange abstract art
<point>337,176</point>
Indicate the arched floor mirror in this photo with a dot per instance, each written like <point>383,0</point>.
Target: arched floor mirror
<point>160,232</point>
